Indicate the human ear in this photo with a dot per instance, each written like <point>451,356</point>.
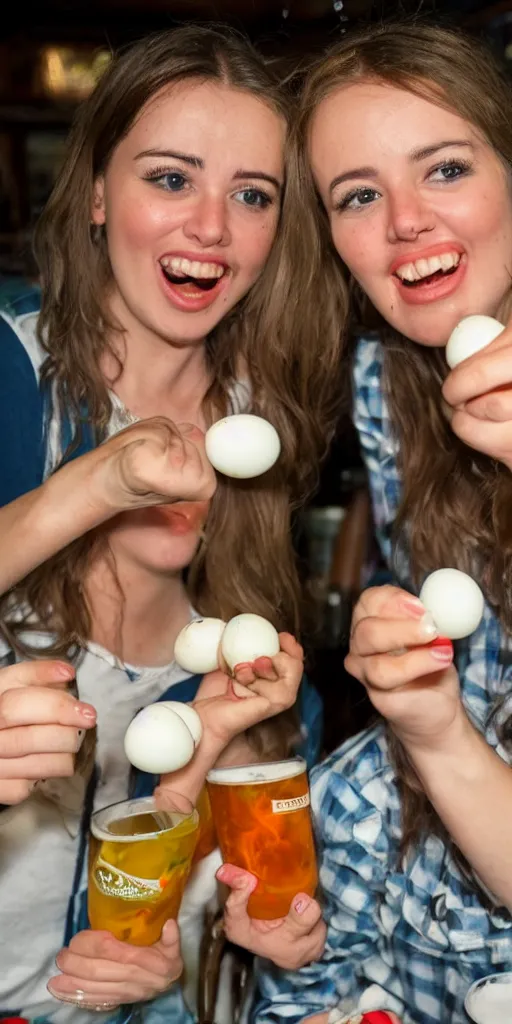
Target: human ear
<point>98,202</point>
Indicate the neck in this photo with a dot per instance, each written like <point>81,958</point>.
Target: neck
<point>158,377</point>
<point>137,615</point>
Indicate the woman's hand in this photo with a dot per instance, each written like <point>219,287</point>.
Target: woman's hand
<point>228,706</point>
<point>153,462</point>
<point>100,972</point>
<point>290,942</point>
<point>413,685</point>
<point>40,726</point>
<point>479,390</point>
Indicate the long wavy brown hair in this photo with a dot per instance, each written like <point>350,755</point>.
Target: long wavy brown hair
<point>247,560</point>
<point>455,502</point>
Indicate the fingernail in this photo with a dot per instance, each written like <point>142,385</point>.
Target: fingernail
<point>427,626</point>
<point>64,672</point>
<point>86,711</point>
<point>414,606</point>
<point>301,904</point>
<point>241,666</point>
<point>442,652</point>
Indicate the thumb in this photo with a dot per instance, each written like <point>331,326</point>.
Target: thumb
<point>303,914</point>
<point>169,941</point>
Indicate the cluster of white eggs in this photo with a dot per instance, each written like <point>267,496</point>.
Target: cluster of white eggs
<point>162,737</point>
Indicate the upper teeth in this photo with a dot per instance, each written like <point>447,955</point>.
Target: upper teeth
<point>192,268</point>
<point>424,267</point>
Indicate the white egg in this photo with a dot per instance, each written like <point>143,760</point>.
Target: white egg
<point>469,336</point>
<point>247,637</point>
<point>158,740</point>
<point>455,602</point>
<point>188,715</point>
<point>242,446</point>
<point>197,645</point>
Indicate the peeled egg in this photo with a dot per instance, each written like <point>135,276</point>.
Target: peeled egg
<point>247,637</point>
<point>187,715</point>
<point>197,645</point>
<point>162,737</point>
<point>455,602</point>
<point>242,446</point>
<point>469,336</point>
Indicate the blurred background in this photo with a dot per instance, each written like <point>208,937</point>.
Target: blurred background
<point>50,58</point>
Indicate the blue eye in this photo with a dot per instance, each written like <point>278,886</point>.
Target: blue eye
<point>169,181</point>
<point>451,170</point>
<point>358,198</point>
<point>254,197</point>
<point>173,181</point>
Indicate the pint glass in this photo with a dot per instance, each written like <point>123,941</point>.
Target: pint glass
<point>139,863</point>
<point>263,823</point>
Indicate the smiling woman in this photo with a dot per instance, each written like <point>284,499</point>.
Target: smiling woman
<point>402,169</point>
<point>168,302</point>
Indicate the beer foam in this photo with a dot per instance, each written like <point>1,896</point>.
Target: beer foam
<point>251,774</point>
<point>490,1000</point>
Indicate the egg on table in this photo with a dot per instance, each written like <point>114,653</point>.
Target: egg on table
<point>469,336</point>
<point>454,601</point>
<point>242,446</point>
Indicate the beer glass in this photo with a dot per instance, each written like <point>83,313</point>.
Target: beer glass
<point>139,862</point>
<point>489,1001</point>
<point>263,824</point>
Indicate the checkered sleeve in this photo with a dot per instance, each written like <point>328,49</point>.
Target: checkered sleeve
<point>378,445</point>
<point>351,816</point>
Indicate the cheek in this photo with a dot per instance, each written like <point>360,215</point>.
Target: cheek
<point>359,252</point>
<point>255,248</point>
<point>136,221</point>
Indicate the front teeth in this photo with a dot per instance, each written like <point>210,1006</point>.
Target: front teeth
<point>192,268</point>
<point>421,268</point>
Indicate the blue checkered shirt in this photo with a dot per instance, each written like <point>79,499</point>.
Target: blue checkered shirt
<point>410,936</point>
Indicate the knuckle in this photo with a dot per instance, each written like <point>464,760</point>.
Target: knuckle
<point>377,672</point>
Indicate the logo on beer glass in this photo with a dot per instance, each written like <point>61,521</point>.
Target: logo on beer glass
<point>113,882</point>
<point>285,806</point>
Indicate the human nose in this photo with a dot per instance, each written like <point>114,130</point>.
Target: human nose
<point>208,222</point>
<point>409,216</point>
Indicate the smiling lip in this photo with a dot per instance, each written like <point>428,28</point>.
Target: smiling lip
<point>189,298</point>
<point>423,254</point>
<point>430,289</point>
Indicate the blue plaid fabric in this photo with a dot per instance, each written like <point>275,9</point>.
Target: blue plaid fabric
<point>408,937</point>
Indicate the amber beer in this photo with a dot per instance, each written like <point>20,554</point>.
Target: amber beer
<point>139,863</point>
<point>263,823</point>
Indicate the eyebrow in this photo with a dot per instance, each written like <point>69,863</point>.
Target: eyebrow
<point>416,156</point>
<point>198,162</point>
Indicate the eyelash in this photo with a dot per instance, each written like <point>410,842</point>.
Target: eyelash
<point>157,174</point>
<point>465,167</point>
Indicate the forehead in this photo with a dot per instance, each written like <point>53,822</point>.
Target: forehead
<point>208,117</point>
<point>373,117</point>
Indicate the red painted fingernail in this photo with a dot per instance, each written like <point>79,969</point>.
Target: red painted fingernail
<point>376,1017</point>
<point>440,641</point>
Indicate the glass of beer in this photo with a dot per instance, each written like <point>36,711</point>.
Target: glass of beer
<point>139,862</point>
<point>263,824</point>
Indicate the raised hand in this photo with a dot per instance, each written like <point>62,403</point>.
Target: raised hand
<point>153,462</point>
<point>479,391</point>
<point>40,726</point>
<point>100,972</point>
<point>413,685</point>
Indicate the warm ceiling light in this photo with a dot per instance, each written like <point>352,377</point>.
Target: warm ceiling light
<point>71,72</point>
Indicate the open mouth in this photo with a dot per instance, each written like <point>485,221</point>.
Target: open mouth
<point>429,270</point>
<point>181,272</point>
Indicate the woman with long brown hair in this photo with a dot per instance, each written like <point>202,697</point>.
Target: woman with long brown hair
<point>404,168</point>
<point>164,263</point>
